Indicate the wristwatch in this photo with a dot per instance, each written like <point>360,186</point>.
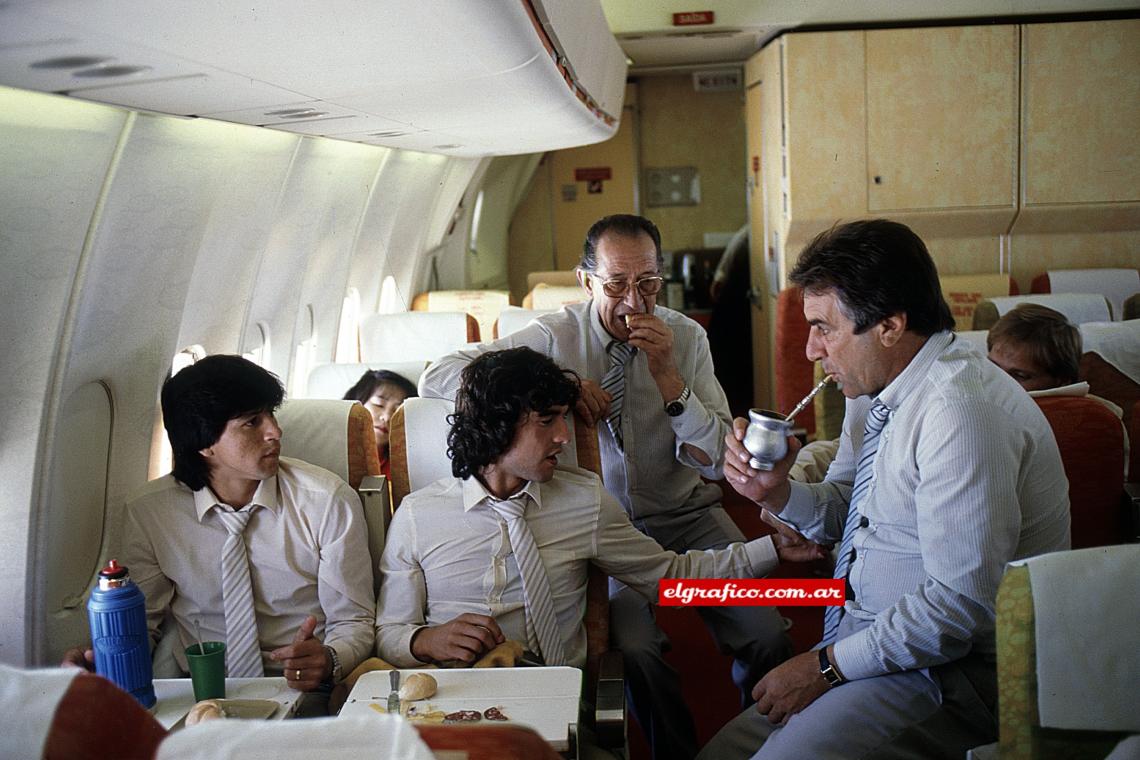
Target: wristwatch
<point>336,674</point>
<point>828,671</point>
<point>677,406</point>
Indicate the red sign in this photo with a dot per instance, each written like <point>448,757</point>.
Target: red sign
<point>693,18</point>
<point>592,173</point>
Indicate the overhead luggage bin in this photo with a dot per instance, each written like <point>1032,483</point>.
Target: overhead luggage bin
<point>452,77</point>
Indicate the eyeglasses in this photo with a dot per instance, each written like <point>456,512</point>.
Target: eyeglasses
<point>646,286</point>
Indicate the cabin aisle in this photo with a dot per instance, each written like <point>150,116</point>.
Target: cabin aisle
<point>705,673</point>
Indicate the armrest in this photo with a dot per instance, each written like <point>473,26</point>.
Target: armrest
<point>377,514</point>
<point>1132,504</point>
<point>609,706</point>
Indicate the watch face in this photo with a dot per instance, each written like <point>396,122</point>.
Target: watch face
<point>674,408</point>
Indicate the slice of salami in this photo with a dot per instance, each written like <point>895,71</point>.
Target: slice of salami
<point>494,713</point>
<point>463,716</point>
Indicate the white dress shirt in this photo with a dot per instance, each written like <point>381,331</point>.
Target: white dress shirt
<point>967,477</point>
<point>658,477</point>
<point>448,552</point>
<point>308,555</point>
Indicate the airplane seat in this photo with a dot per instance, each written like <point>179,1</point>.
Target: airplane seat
<point>512,320</point>
<point>1091,441</point>
<point>343,738</point>
<point>1058,696</point>
<point>63,713</point>
<point>553,297</point>
<point>1131,308</point>
<point>1077,307</point>
<point>977,338</point>
<point>1117,285</point>
<point>1111,366</point>
<point>419,458</point>
<point>338,436</point>
<point>963,292</point>
<point>415,336</point>
<point>482,305</point>
<point>332,380</point>
<point>556,277</point>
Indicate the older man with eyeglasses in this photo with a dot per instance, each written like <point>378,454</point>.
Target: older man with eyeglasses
<point>647,381</point>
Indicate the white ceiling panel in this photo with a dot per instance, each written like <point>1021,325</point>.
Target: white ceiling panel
<point>397,72</point>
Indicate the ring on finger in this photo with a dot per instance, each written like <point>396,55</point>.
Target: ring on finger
<point>297,674</point>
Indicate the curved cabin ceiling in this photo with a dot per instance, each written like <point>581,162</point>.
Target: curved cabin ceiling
<point>456,77</point>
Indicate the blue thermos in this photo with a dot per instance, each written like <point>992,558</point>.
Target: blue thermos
<point>117,614</point>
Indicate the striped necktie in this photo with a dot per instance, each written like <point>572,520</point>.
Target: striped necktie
<point>614,384</point>
<point>243,648</point>
<point>876,420</point>
<point>541,624</point>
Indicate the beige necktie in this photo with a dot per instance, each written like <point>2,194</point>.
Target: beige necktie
<point>541,623</point>
<point>243,648</point>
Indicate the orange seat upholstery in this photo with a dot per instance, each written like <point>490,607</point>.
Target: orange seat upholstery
<point>1091,441</point>
<point>794,371</point>
<point>483,742</point>
<point>96,720</point>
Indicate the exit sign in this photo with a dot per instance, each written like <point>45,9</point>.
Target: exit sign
<point>694,18</point>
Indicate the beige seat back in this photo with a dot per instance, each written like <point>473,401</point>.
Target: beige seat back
<point>1077,307</point>
<point>413,336</point>
<point>338,436</point>
<point>332,380</point>
<point>512,320</point>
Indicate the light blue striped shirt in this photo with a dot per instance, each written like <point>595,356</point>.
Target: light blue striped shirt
<point>967,477</point>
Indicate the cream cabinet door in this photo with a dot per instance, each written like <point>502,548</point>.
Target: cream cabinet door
<point>942,118</point>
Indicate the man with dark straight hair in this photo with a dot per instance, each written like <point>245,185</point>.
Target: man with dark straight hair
<point>269,555</point>
<point>648,384</point>
<point>946,471</point>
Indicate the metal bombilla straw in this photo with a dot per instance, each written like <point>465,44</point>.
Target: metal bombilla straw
<point>807,399</point>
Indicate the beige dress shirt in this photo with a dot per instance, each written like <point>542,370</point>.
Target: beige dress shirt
<point>448,553</point>
<point>308,555</point>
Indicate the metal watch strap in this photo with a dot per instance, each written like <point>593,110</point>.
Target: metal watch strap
<point>680,400</point>
<point>828,671</point>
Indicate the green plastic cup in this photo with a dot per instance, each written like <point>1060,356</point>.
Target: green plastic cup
<point>208,671</point>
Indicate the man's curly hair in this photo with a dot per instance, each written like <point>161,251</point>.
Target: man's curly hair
<point>496,391</point>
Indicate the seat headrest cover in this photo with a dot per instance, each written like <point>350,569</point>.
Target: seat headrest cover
<point>345,738</point>
<point>1077,307</point>
<point>1114,284</point>
<point>412,336</point>
<point>333,380</point>
<point>1085,609</point>
<point>316,431</point>
<point>513,320</point>
<point>28,699</point>
<point>1118,343</point>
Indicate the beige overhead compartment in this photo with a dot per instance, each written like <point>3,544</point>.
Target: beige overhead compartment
<point>448,76</point>
<point>985,139</point>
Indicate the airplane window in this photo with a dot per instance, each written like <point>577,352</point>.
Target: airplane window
<point>306,353</point>
<point>390,297</point>
<point>348,334</point>
<point>161,457</point>
<point>258,353</point>
<point>476,215</point>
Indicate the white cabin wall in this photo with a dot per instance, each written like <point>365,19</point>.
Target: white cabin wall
<point>56,156</point>
<point>124,238</point>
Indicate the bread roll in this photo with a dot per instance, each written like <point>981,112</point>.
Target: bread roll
<point>417,686</point>
<point>506,655</point>
<point>207,709</point>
